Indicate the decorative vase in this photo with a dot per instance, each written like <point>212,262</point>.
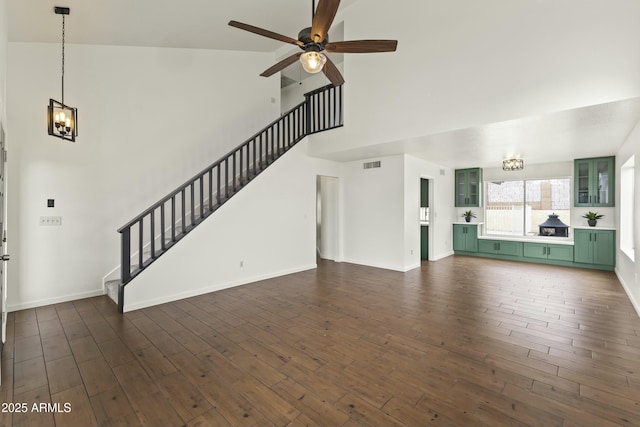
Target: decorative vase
<point>468,219</point>
<point>592,222</point>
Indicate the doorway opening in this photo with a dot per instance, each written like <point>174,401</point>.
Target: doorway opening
<point>327,217</point>
<point>424,219</point>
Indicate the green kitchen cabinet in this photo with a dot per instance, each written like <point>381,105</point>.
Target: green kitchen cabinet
<point>424,193</point>
<point>424,242</point>
<point>500,247</point>
<point>548,251</point>
<point>465,238</point>
<point>594,182</point>
<point>595,247</point>
<point>468,184</point>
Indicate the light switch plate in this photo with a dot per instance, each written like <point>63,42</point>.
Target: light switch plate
<point>50,220</point>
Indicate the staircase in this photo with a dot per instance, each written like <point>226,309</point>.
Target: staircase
<point>156,230</point>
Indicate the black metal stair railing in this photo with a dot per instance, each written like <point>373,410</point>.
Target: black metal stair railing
<point>153,232</point>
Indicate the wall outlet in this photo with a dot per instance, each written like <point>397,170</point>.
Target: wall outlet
<point>50,220</point>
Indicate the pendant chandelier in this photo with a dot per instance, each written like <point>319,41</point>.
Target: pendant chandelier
<point>513,164</point>
<point>62,119</point>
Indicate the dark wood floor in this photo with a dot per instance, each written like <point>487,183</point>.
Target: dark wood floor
<point>461,341</point>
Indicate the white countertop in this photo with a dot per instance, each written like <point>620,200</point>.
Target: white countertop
<point>468,223</point>
<point>532,239</point>
<point>597,227</point>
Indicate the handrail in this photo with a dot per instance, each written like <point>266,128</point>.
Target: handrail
<point>193,201</point>
<point>207,169</point>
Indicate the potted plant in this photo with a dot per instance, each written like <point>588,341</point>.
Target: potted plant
<point>468,215</point>
<point>592,218</point>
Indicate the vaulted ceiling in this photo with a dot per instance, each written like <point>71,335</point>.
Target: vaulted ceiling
<point>202,24</point>
<point>197,24</point>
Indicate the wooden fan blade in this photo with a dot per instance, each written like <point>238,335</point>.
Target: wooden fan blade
<point>265,33</point>
<point>333,74</point>
<point>362,46</point>
<point>281,65</point>
<point>323,18</point>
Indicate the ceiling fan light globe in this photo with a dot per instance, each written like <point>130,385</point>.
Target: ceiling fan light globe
<point>312,62</point>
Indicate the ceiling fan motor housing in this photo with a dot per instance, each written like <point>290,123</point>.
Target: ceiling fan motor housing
<point>309,45</point>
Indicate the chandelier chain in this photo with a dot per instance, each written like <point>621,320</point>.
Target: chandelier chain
<point>63,59</point>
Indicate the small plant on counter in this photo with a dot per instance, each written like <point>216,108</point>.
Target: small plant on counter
<point>468,215</point>
<point>592,218</point>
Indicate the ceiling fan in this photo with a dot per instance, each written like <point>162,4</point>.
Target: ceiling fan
<point>314,40</point>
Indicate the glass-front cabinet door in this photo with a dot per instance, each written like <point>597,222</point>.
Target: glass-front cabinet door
<point>594,182</point>
<point>468,187</point>
<point>604,171</point>
<point>461,188</point>
<point>474,185</point>
<point>582,176</point>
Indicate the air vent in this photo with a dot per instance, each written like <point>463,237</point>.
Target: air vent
<point>371,165</point>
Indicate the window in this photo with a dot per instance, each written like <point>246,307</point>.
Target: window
<point>516,208</point>
<point>627,200</point>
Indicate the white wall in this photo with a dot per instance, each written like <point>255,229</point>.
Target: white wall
<point>467,72</point>
<point>626,269</point>
<point>3,58</point>
<point>373,202</point>
<point>149,119</point>
<point>293,94</point>
<point>269,226</point>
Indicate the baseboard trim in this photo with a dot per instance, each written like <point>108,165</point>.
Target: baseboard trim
<point>213,288</point>
<point>411,267</point>
<point>627,290</point>
<point>56,300</point>
<point>370,264</point>
<point>441,256</point>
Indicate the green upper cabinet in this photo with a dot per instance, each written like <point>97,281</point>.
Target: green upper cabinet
<point>594,181</point>
<point>468,187</point>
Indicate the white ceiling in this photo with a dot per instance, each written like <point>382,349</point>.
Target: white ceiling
<point>198,24</point>
<point>202,24</point>
<point>593,131</point>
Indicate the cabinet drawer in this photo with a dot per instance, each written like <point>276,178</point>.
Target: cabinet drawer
<point>510,248</point>
<point>560,252</point>
<point>535,250</point>
<point>487,246</point>
<point>548,251</point>
<point>500,247</point>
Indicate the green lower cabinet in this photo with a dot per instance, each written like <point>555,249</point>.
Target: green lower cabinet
<point>500,247</point>
<point>595,247</point>
<point>465,238</point>
<point>424,242</point>
<point>548,251</point>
